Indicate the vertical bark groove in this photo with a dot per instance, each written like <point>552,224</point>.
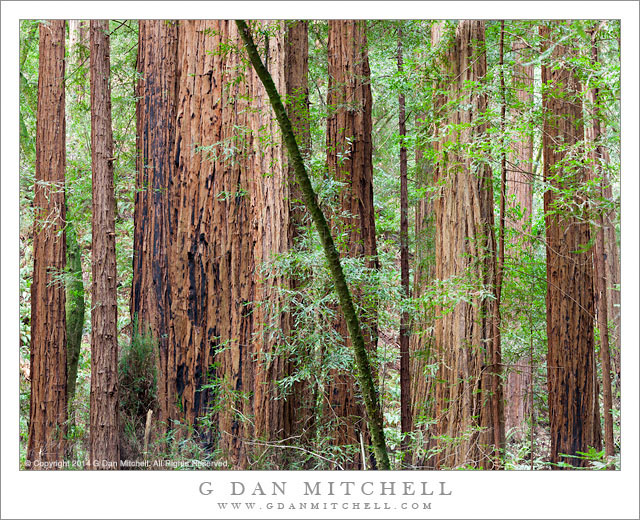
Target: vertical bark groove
<point>573,399</point>
<point>48,410</point>
<point>349,160</point>
<point>467,391</point>
<point>104,452</point>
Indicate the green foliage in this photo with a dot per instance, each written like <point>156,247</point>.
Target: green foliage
<point>137,374</point>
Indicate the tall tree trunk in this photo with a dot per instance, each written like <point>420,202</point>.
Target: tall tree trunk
<point>405,381</point>
<point>596,157</point>
<point>48,404</point>
<point>573,401</point>
<point>520,195</point>
<point>156,123</point>
<point>104,450</point>
<point>468,391</point>
<point>301,413</point>
<point>230,215</point>
<point>349,158</point>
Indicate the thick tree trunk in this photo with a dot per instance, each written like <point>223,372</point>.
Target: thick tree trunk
<point>230,212</point>
<point>104,451</point>
<point>468,390</point>
<point>573,401</point>
<point>156,123</point>
<point>349,158</point>
<point>421,341</point>
<point>48,410</point>
<point>520,195</point>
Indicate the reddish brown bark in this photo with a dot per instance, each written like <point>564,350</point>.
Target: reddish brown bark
<point>573,401</point>
<point>230,212</point>
<point>156,119</point>
<point>48,404</point>
<point>349,158</point>
<point>468,395</point>
<point>104,451</point>
<point>296,55</point>
<point>421,341</point>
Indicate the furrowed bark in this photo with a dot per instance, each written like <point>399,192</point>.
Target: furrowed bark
<point>156,123</point>
<point>104,448</point>
<point>573,398</point>
<point>229,214</point>
<point>355,332</point>
<point>519,190</point>
<point>350,162</point>
<point>48,404</point>
<point>467,390</point>
<point>301,407</point>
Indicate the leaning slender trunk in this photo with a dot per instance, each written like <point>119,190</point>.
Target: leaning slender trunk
<point>365,376</point>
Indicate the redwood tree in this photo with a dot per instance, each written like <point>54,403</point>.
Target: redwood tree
<point>229,215</point>
<point>349,159</point>
<point>467,389</point>
<point>156,124</point>
<point>48,404</point>
<point>104,452</point>
<point>573,399</point>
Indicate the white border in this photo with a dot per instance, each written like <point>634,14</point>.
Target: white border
<point>174,495</point>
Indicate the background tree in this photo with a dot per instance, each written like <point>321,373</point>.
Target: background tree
<point>48,405</point>
<point>104,425</point>
<point>75,303</point>
<point>520,203</point>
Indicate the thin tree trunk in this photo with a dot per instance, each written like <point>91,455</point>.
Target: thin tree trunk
<point>496,403</point>
<point>104,450</point>
<point>596,157</point>
<point>349,160</point>
<point>365,377</point>
<point>48,404</point>
<point>405,382</point>
<point>573,402</point>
